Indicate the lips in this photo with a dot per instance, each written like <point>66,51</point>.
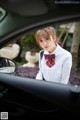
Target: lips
<point>46,47</point>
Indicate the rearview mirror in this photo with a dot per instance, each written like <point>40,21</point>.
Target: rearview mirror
<point>7,65</point>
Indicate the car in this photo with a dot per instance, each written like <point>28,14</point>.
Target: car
<point>21,95</point>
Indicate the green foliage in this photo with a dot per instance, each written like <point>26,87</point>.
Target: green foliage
<point>29,43</point>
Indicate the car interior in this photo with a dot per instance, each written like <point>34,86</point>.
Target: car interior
<point>21,95</point>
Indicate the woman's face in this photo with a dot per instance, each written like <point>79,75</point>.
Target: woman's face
<point>47,42</point>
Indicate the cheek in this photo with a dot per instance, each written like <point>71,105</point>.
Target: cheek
<point>55,41</point>
<point>41,45</point>
<point>53,44</point>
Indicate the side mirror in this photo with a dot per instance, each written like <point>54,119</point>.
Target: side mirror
<point>7,65</point>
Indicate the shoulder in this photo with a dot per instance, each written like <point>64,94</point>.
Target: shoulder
<point>41,51</point>
<point>67,55</point>
<point>65,52</point>
<point>41,54</point>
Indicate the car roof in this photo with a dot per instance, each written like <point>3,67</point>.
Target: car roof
<point>26,15</point>
<point>39,7</point>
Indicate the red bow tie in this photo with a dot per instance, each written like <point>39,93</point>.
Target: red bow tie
<point>50,59</point>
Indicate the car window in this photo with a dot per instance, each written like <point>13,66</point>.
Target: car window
<point>2,14</point>
<point>25,51</point>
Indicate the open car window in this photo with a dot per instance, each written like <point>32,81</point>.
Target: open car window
<point>25,51</point>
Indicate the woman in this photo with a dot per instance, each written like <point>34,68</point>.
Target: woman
<point>56,63</point>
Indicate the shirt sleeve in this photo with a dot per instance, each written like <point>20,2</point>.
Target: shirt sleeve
<point>66,69</point>
<point>39,75</point>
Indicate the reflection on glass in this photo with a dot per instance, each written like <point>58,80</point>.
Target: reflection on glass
<point>2,13</point>
<point>7,69</point>
<point>68,38</point>
<point>6,65</point>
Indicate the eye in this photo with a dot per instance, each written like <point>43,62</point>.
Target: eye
<point>47,38</point>
<point>40,41</point>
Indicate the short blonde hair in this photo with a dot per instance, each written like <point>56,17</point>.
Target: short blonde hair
<point>45,31</point>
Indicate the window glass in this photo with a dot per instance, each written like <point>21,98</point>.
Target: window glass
<point>2,14</point>
<point>25,51</point>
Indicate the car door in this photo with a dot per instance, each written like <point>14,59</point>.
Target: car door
<point>20,92</point>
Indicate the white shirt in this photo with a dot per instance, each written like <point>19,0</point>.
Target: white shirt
<point>59,72</point>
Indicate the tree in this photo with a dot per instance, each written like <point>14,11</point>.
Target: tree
<point>75,46</point>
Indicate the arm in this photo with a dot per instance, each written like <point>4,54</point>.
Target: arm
<point>39,75</point>
<point>66,69</point>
